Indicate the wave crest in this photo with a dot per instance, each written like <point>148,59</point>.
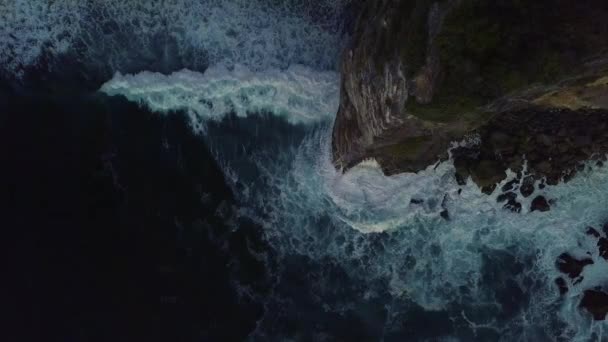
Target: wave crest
<point>299,94</point>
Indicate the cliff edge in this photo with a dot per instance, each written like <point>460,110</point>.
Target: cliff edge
<point>420,74</point>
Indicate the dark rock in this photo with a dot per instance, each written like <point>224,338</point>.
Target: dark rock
<point>510,185</point>
<point>540,204</point>
<point>582,140</point>
<point>561,286</point>
<point>596,303</point>
<point>509,196</point>
<point>605,229</point>
<point>488,189</point>
<point>513,205</point>
<point>571,266</point>
<point>527,186</point>
<point>445,214</point>
<point>460,179</point>
<point>593,232</point>
<point>416,201</point>
<point>599,163</point>
<point>545,140</point>
<point>487,173</point>
<point>603,247</point>
<point>403,104</point>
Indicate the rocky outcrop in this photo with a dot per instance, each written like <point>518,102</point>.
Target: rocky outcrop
<point>549,145</point>
<point>572,266</point>
<point>389,60</point>
<point>532,84</point>
<point>594,300</point>
<point>596,303</point>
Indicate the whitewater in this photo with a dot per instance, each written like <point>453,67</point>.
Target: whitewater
<point>273,62</point>
<point>390,229</point>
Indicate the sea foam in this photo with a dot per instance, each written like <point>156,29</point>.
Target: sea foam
<point>118,35</point>
<point>299,94</point>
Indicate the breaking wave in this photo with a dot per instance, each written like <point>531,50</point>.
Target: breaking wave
<point>489,268</point>
<point>299,94</point>
<point>490,271</point>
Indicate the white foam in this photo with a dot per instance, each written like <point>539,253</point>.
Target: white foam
<point>299,94</point>
<point>121,35</point>
<point>432,261</point>
<point>26,26</point>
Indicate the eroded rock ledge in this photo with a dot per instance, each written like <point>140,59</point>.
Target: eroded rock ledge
<point>529,78</point>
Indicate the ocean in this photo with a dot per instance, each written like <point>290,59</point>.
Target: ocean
<point>168,176</point>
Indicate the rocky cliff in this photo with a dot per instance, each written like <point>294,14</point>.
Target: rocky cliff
<point>527,79</point>
<point>420,74</point>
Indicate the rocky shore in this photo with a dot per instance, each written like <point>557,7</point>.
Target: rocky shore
<point>527,81</point>
<point>531,83</point>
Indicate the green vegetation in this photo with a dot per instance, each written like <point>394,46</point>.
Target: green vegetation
<point>491,48</point>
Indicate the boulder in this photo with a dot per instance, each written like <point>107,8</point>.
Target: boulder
<point>571,266</point>
<point>540,203</point>
<point>596,303</point>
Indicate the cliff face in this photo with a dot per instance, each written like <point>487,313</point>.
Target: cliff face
<point>393,56</point>
<point>422,73</point>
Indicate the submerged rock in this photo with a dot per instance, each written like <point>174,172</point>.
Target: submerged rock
<point>540,203</point>
<point>593,232</point>
<point>571,266</point>
<point>602,244</point>
<point>561,285</point>
<point>596,303</point>
<point>508,196</point>
<point>513,205</point>
<point>416,201</point>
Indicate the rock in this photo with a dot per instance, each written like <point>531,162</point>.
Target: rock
<point>487,173</point>
<point>510,185</point>
<point>582,140</point>
<point>540,203</point>
<point>403,104</point>
<point>605,229</point>
<point>509,196</point>
<point>593,232</point>
<point>561,286</point>
<point>545,140</point>
<point>527,186</point>
<point>603,247</point>
<point>596,303</point>
<point>416,201</point>
<point>513,205</point>
<point>445,214</point>
<point>571,266</point>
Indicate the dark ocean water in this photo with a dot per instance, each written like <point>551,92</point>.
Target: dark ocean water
<point>122,227</point>
<point>192,223</point>
<point>111,237</point>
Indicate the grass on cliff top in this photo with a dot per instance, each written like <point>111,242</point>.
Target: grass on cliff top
<point>490,48</point>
